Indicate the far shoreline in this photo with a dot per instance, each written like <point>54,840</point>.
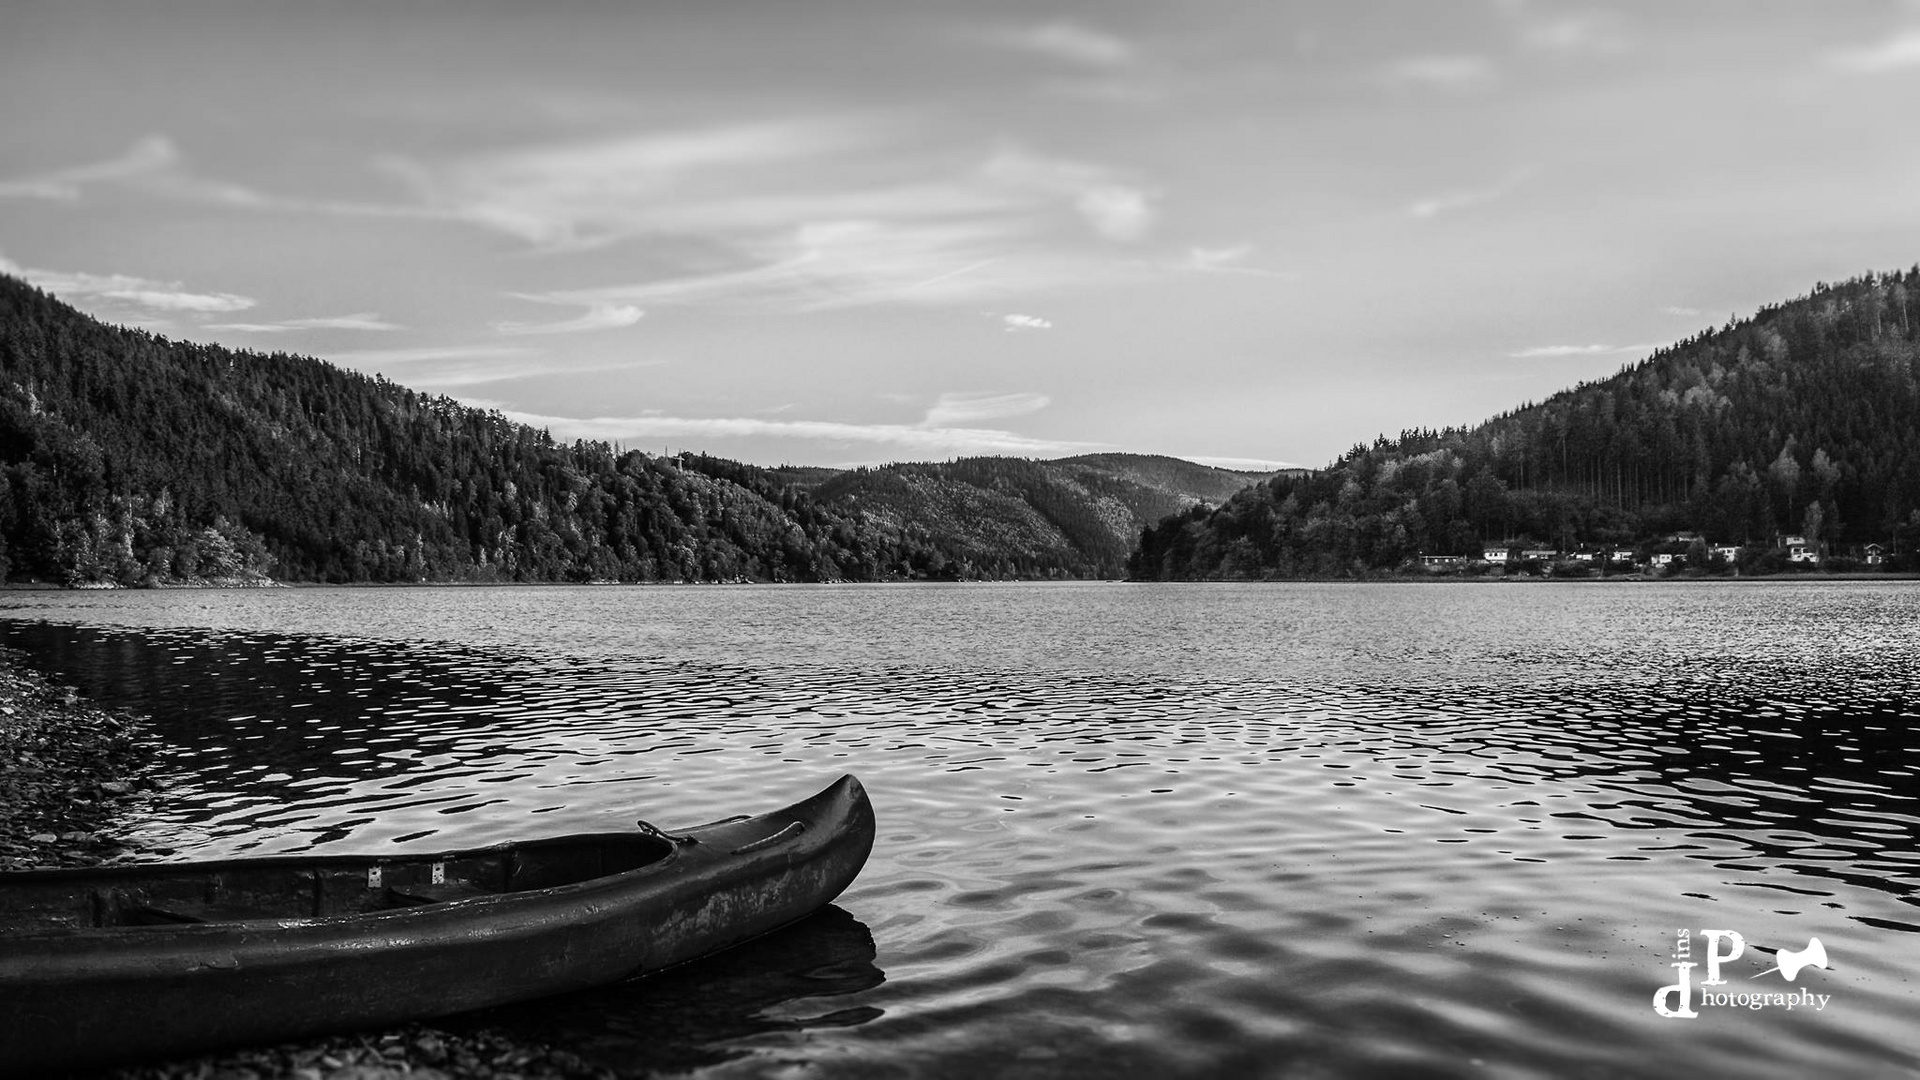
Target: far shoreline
<point>1381,579</point>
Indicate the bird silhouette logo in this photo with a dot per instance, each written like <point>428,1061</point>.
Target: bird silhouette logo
<point>1792,960</point>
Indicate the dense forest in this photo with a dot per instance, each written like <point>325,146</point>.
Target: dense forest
<point>131,459</point>
<point>1802,420</point>
<point>1015,518</point>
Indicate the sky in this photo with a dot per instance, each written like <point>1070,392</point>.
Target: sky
<point>834,233</point>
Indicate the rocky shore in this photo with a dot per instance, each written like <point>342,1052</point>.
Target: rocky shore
<point>71,773</point>
<point>67,771</point>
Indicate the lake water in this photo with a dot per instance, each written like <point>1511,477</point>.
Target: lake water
<point>1301,830</point>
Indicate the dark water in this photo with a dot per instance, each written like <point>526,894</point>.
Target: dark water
<point>1281,830</point>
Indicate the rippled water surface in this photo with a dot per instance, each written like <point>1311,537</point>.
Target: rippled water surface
<point>1127,830</point>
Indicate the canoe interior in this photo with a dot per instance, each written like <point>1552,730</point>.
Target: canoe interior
<point>307,887</point>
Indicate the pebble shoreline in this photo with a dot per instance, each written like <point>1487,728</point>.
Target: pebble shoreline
<point>67,771</point>
<point>72,773</point>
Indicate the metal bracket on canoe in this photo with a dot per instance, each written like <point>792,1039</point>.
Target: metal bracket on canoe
<point>793,829</point>
<point>651,832</point>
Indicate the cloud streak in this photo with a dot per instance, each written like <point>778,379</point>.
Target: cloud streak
<point>459,375</point>
<point>829,265</point>
<point>911,440</point>
<point>154,164</point>
<point>1897,53</point>
<point>593,192</point>
<point>1557,352</point>
<point>443,367</point>
<point>1072,43</point>
<point>1017,323</point>
<point>845,223</point>
<point>166,297</point>
<point>363,320</point>
<point>1239,464</point>
<point>145,157</point>
<point>1470,197</point>
<point>950,409</point>
<point>951,426</point>
<point>1114,208</point>
<point>1442,72</point>
<point>1573,35</point>
<point>1228,260</point>
<point>600,316</point>
<point>806,213</point>
<point>362,358</point>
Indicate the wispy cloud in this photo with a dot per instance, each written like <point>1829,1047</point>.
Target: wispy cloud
<point>1591,33</point>
<point>824,265</point>
<point>951,408</point>
<point>145,157</point>
<point>902,440</point>
<point>481,374</point>
<point>1114,208</point>
<point>1896,53</point>
<point>1228,260</point>
<point>363,320</point>
<point>1688,312</point>
<point>1556,352</point>
<point>156,165</point>
<point>804,214</point>
<point>365,358</point>
<point>1462,199</point>
<point>593,192</point>
<point>1213,260</point>
<point>1116,211</point>
<point>1444,72</point>
<point>1017,323</point>
<point>839,264</point>
<point>168,296</point>
<point>441,367</point>
<point>1072,43</point>
<point>600,316</point>
<point>1240,464</point>
<point>444,367</point>
<point>1084,63</point>
<point>143,293</point>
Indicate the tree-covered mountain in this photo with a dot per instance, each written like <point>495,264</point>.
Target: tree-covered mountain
<point>128,458</point>
<point>1804,419</point>
<point>1015,517</point>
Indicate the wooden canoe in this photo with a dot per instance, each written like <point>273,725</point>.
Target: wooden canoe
<point>147,961</point>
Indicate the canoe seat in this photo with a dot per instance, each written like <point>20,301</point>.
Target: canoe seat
<point>445,892</point>
<point>172,911</point>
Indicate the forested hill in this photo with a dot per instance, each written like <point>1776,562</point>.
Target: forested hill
<point>1014,517</point>
<point>1804,419</point>
<point>128,458</point>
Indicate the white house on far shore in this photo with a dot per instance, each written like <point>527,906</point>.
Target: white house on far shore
<point>1798,550</point>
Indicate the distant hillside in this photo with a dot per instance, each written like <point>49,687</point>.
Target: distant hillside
<point>131,459</point>
<point>1179,477</point>
<point>1804,419</point>
<point>804,477</point>
<point>128,458</point>
<point>1014,517</point>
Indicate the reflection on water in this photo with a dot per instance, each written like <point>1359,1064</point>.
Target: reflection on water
<point>708,1013</point>
<point>1125,830</point>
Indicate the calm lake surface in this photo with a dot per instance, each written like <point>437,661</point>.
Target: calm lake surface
<point>1125,830</point>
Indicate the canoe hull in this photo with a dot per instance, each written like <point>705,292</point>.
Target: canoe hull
<point>92,996</point>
